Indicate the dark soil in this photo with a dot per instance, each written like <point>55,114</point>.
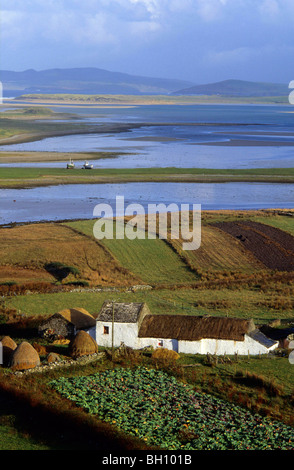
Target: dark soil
<point>270,245</point>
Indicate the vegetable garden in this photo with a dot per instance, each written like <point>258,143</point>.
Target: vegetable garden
<point>164,412</point>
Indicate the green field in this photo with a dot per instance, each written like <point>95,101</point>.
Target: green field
<point>239,302</point>
<point>30,177</point>
<point>153,261</point>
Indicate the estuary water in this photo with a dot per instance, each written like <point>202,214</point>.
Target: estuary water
<point>66,202</point>
<point>194,136</point>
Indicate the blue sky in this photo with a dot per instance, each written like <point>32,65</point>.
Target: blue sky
<point>197,40</point>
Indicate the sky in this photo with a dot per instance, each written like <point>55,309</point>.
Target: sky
<point>201,41</point>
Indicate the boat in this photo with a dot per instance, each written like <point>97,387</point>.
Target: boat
<point>87,166</point>
<point>70,164</point>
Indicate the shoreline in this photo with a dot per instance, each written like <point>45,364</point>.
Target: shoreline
<point>116,128</point>
<point>246,143</point>
<point>261,212</point>
<point>47,157</point>
<point>98,129</point>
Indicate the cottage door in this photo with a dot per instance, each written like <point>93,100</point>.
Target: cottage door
<point>175,345</point>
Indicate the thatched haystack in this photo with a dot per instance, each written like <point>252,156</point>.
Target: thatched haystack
<point>78,317</point>
<point>8,346</point>
<point>24,357</point>
<point>82,345</point>
<point>165,355</point>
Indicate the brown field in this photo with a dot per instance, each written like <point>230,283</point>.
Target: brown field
<point>22,275</point>
<point>219,252</point>
<point>273,247</point>
<point>25,250</point>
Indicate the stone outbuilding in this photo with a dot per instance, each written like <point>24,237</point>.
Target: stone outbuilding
<point>66,323</point>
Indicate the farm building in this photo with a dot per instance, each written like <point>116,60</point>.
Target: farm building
<point>66,323</point>
<point>127,319</point>
<point>135,326</point>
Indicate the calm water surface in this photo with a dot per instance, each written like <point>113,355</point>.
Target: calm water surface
<point>182,143</point>
<point>78,201</point>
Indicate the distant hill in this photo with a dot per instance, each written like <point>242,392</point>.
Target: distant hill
<point>236,88</point>
<point>85,81</point>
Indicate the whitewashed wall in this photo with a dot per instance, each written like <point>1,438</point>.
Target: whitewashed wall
<point>123,332</point>
<point>220,347</point>
<point>128,334</point>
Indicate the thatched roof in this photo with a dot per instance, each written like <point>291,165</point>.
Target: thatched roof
<point>8,346</point>
<point>83,345</point>
<point>194,328</point>
<point>24,357</point>
<point>123,312</point>
<point>79,317</point>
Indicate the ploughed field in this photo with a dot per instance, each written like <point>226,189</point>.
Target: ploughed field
<point>274,248</point>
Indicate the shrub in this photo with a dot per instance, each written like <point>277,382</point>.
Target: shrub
<point>60,271</point>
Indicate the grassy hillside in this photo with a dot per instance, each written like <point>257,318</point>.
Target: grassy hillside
<point>41,244</point>
<point>223,276</point>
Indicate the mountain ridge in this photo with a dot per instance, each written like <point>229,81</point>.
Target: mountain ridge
<point>85,80</point>
<point>97,81</point>
<point>233,87</point>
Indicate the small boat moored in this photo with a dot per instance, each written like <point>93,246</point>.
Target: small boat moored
<point>87,166</point>
<point>70,164</point>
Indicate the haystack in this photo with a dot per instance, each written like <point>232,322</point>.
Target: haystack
<point>24,357</point>
<point>166,355</point>
<point>83,345</point>
<point>8,346</point>
<point>79,317</point>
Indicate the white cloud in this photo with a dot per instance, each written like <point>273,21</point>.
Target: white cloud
<point>270,9</point>
<point>156,34</point>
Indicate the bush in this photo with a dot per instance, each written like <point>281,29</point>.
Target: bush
<point>60,271</point>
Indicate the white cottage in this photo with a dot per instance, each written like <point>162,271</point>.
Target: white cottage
<point>120,323</point>
<point>135,326</point>
<point>205,334</point>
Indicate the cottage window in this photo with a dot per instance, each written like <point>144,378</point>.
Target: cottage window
<point>106,330</point>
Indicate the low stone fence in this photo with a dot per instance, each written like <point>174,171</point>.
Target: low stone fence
<point>83,360</point>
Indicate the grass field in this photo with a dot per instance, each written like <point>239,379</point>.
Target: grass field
<point>248,302</point>
<point>18,177</point>
<point>153,261</point>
